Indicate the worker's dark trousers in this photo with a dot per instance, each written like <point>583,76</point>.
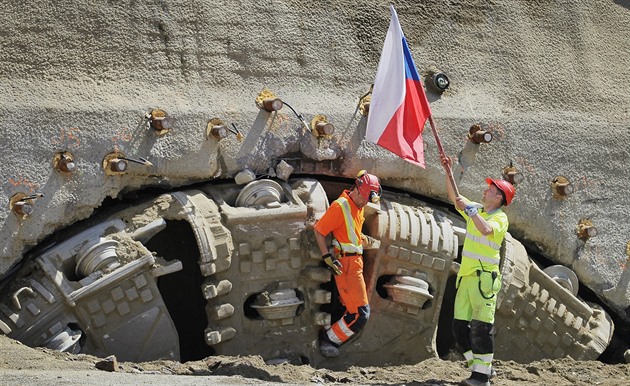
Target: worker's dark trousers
<point>475,336</point>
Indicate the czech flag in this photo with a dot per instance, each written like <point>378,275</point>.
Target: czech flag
<point>399,107</point>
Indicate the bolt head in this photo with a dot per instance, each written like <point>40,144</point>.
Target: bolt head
<point>565,189</point>
<point>118,165</point>
<point>23,208</point>
<point>66,164</point>
<point>219,131</point>
<point>441,81</point>
<point>167,123</point>
<point>272,104</point>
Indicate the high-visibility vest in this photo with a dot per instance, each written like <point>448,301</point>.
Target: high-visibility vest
<point>483,250</point>
<point>354,246</point>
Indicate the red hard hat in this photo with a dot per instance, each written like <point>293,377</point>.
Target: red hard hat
<point>504,186</point>
<point>369,186</point>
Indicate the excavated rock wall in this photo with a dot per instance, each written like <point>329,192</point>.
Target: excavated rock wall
<point>550,79</point>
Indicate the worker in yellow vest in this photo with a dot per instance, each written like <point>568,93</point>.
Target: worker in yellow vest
<point>344,219</point>
<point>479,278</point>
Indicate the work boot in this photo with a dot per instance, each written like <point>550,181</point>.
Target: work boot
<point>474,382</point>
<point>326,347</point>
<point>476,379</point>
<point>328,350</point>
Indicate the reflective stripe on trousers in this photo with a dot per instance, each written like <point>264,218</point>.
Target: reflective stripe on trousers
<point>482,363</point>
<point>348,325</point>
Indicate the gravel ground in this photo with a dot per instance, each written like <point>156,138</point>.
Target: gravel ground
<point>22,365</point>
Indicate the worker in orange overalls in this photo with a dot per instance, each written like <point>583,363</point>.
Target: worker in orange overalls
<point>344,219</point>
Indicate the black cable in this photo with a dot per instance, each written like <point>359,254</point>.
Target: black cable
<point>300,116</point>
<point>292,109</point>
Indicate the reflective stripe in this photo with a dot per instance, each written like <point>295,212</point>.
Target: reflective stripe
<point>480,249</point>
<point>481,368</point>
<point>468,355</point>
<point>483,259</point>
<point>339,332</point>
<point>483,363</point>
<point>484,357</point>
<point>347,248</point>
<point>354,246</point>
<point>483,240</point>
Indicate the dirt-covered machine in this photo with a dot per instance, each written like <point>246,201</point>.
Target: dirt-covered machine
<point>233,269</point>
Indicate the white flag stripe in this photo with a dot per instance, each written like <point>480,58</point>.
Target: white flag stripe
<point>389,89</point>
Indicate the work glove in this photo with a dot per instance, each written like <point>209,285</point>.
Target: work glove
<point>333,264</point>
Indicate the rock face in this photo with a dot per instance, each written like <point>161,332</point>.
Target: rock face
<point>89,92</point>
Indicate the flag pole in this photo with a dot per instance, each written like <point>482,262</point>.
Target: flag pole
<point>447,168</point>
